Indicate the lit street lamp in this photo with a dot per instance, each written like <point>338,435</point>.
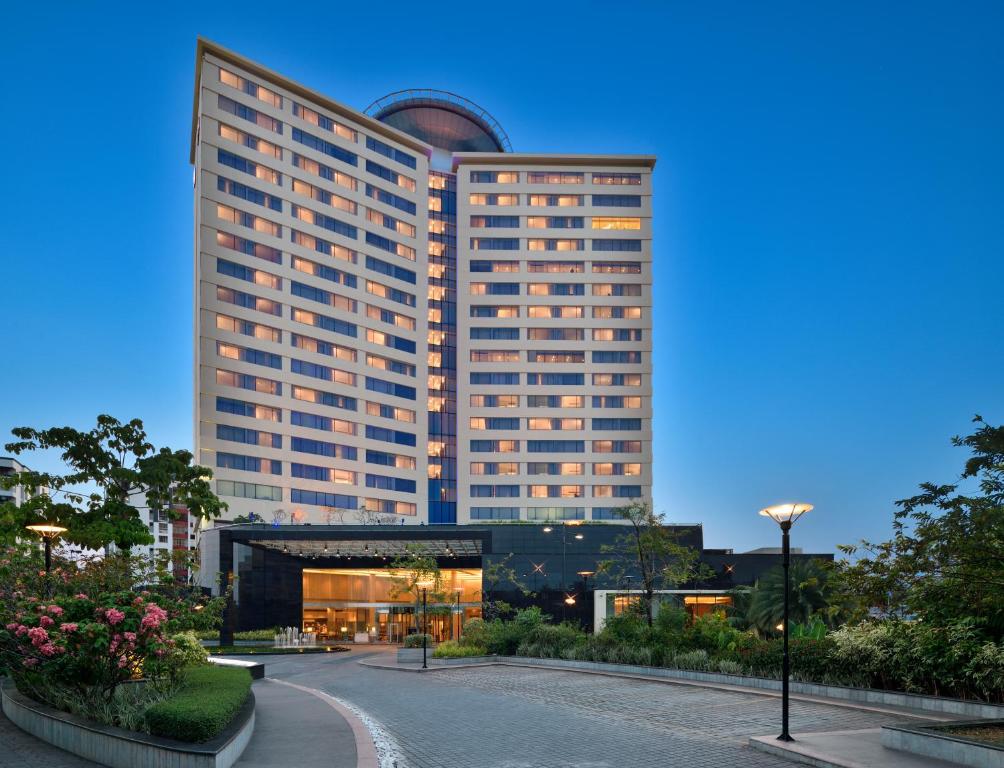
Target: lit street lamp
<point>785,515</point>
<point>460,617</point>
<point>585,589</point>
<point>49,533</point>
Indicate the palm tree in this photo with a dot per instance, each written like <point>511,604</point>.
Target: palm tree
<point>808,595</point>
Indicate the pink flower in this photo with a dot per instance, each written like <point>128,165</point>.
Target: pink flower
<point>137,600</point>
<point>123,661</point>
<point>12,626</point>
<point>48,650</point>
<point>80,596</point>
<point>114,616</point>
<point>29,662</point>
<point>45,621</point>
<point>130,636</point>
<point>38,636</point>
<point>21,629</point>
<point>70,626</point>
<point>55,610</point>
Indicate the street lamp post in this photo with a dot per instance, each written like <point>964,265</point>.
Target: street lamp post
<point>785,515</point>
<point>49,533</point>
<point>585,589</point>
<point>460,620</point>
<point>424,585</point>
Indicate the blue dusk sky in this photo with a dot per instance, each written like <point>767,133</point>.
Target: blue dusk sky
<point>829,245</point>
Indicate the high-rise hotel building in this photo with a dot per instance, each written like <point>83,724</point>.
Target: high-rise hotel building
<point>399,318</point>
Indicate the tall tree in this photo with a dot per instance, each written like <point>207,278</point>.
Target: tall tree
<point>110,469</point>
<point>808,596</point>
<point>945,561</point>
<point>653,552</point>
<point>493,576</point>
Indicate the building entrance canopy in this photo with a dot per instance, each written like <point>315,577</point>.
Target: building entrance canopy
<point>379,542</point>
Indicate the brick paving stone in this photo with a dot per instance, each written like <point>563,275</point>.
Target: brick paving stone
<point>515,717</point>
<point>21,750</point>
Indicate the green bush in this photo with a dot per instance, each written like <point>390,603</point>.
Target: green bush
<point>549,641</point>
<point>257,634</point>
<point>453,649</point>
<point>187,650</point>
<point>415,641</point>
<point>203,706</point>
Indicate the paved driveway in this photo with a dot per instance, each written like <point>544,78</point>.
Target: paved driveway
<point>512,717</point>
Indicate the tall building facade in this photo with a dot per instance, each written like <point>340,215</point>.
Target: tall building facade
<point>398,319</point>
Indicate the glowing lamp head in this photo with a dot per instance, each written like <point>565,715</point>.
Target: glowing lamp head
<point>786,514</point>
<point>46,530</point>
<point>548,529</point>
<point>570,600</point>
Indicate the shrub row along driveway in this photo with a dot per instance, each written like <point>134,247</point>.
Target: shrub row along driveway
<point>514,717</point>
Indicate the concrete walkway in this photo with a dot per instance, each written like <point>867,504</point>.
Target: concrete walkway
<point>844,749</point>
<point>295,727</point>
<point>22,750</point>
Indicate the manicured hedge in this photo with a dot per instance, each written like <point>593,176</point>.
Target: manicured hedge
<point>204,705</point>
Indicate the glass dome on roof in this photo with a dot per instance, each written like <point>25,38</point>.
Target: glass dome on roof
<point>442,119</point>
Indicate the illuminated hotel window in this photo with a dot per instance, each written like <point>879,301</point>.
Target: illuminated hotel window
<point>398,179</point>
<point>487,310</point>
<point>249,247</point>
<point>313,117</point>
<point>555,222</point>
<point>614,267</point>
<point>326,474</point>
<point>556,267</point>
<point>248,355</point>
<point>555,289</point>
<point>241,299</point>
<point>322,347</point>
<point>390,459</point>
<point>251,88</point>
<point>555,491</point>
<point>259,171</point>
<point>323,196</point>
<point>323,246</point>
<point>616,379</point>
<point>494,468</point>
<point>436,404</point>
<point>554,244</point>
<point>251,142</point>
<point>494,356</point>
<point>555,334</point>
<point>617,313</point>
<point>617,179</point>
<point>537,356</point>
<point>494,289</point>
<point>616,334</point>
<point>482,265</point>
<point>483,222</point>
<point>330,399</point>
<point>387,507</point>
<point>324,372</point>
<point>616,446</point>
<point>392,318</point>
<point>386,292</point>
<point>555,468</point>
<point>494,446</point>
<point>556,424</point>
<point>247,113</point>
<point>555,312</point>
<point>498,200</point>
<point>390,412</point>
<point>383,220</point>
<point>322,297</point>
<point>249,220</point>
<point>494,401</point>
<point>251,410</point>
<point>247,381</point>
<point>608,468</point>
<point>621,222</point>
<point>494,177</point>
<point>562,201</point>
<point>494,422</point>
<point>555,401</point>
<point>324,172</point>
<point>553,177</point>
<point>616,289</point>
<point>248,328</point>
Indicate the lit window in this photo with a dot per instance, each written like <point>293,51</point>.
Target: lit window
<point>616,222</point>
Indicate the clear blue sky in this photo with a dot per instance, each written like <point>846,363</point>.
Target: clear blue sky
<point>829,240</point>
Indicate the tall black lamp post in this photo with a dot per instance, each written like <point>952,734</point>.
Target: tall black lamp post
<point>585,590</point>
<point>785,515</point>
<point>424,585</point>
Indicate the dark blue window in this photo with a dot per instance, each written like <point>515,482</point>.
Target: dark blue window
<point>556,446</point>
<point>246,113</point>
<point>390,388</point>
<point>618,201</point>
<point>322,499</point>
<point>616,245</point>
<point>495,243</point>
<point>605,513</point>
<point>626,491</point>
<point>506,222</point>
<point>495,378</point>
<point>248,193</point>
<point>334,325</point>
<point>384,268</point>
<point>388,151</point>
<point>248,436</point>
<point>501,289</point>
<point>322,448</point>
<point>502,422</point>
<point>251,248</point>
<point>617,424</point>
<point>324,147</point>
<point>381,458</point>
<point>313,421</point>
<point>495,334</point>
<point>389,198</point>
<point>556,379</point>
<point>248,463</point>
<point>384,173</point>
<point>385,483</point>
<point>494,491</point>
<point>494,513</point>
<point>617,357</point>
<point>333,275</point>
<point>336,401</point>
<point>390,435</point>
<point>330,223</point>
<point>232,269</point>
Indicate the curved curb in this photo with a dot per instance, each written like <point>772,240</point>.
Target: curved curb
<point>366,752</point>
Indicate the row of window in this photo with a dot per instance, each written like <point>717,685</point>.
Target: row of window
<point>556,379</point>
<point>503,200</point>
<point>555,401</point>
<point>558,267</point>
<point>557,424</point>
<point>554,289</point>
<point>555,446</point>
<point>619,357</point>
<point>542,513</point>
<point>555,334</point>
<point>631,469</point>
<point>555,222</point>
<point>559,312</point>
<point>262,492</point>
<point>555,491</point>
<point>554,177</point>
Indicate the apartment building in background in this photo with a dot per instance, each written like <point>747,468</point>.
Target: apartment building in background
<point>399,319</point>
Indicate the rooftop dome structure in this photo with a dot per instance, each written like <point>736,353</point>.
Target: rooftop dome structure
<point>445,120</point>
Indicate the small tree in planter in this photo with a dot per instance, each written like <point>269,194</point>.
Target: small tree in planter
<point>416,571</point>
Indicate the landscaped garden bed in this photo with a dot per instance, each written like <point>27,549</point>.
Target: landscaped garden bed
<point>977,744</point>
<point>262,650</point>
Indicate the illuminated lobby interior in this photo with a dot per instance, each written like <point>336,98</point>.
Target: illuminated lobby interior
<point>368,604</point>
